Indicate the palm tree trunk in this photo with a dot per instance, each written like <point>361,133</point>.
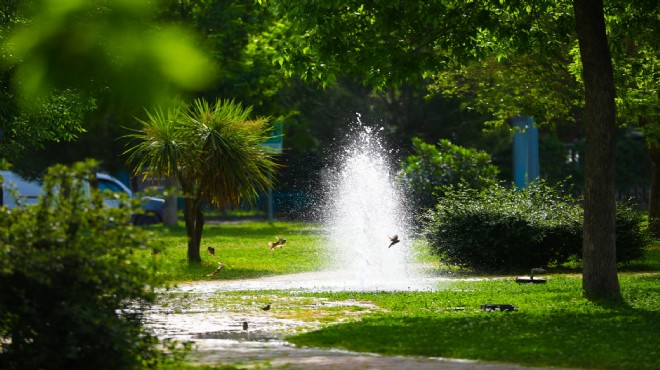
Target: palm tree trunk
<point>599,273</point>
<point>192,214</point>
<point>169,213</point>
<point>199,227</point>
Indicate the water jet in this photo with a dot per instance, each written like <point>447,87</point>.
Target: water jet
<point>366,217</point>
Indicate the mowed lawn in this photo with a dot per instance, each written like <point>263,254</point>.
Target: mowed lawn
<point>553,325</point>
<point>241,247</point>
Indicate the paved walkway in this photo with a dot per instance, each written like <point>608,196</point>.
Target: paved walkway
<point>280,355</point>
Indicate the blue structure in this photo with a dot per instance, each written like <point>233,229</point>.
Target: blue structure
<point>525,151</point>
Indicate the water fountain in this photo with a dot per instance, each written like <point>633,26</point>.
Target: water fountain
<point>364,211</point>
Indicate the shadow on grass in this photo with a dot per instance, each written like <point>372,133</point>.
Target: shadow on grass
<point>624,339</point>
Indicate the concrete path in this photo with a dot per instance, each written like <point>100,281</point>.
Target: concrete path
<point>284,356</point>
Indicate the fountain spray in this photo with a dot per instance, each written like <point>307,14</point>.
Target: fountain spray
<point>366,213</point>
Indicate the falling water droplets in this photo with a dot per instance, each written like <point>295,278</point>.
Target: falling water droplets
<point>365,210</point>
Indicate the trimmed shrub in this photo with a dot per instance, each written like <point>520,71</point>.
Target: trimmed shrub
<point>505,229</point>
<point>632,234</point>
<point>426,173</point>
<point>67,268</point>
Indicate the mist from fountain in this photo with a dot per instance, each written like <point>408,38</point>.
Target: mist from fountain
<point>364,208</point>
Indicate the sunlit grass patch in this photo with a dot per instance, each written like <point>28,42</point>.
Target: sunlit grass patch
<point>553,324</point>
<point>242,249</point>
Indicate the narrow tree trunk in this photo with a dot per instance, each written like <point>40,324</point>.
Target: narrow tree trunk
<point>199,228</point>
<point>170,209</point>
<point>599,275</point>
<point>190,214</point>
<point>654,197</point>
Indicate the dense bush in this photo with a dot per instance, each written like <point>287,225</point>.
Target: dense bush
<point>66,271</point>
<point>425,173</point>
<point>499,228</point>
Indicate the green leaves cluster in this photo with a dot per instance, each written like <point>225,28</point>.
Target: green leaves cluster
<point>67,268</point>
<point>426,173</point>
<point>504,229</point>
<point>214,150</point>
<point>98,46</point>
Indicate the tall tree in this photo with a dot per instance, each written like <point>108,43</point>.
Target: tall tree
<point>599,278</point>
<point>214,151</point>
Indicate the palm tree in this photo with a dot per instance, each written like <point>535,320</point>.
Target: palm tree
<point>215,153</point>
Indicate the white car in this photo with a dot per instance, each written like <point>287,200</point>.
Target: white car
<point>28,192</point>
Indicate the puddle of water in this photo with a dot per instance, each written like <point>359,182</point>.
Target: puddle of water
<point>322,281</point>
<point>211,316</point>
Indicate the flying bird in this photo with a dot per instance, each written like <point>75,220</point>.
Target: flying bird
<point>394,239</point>
<point>266,307</point>
<point>220,266</point>
<point>277,244</point>
<point>211,251</point>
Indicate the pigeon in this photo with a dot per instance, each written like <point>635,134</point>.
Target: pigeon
<point>266,307</point>
<point>394,239</point>
<point>220,266</point>
<point>277,244</point>
<point>211,251</point>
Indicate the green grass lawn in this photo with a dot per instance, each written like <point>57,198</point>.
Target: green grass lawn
<point>553,326</point>
<point>241,247</point>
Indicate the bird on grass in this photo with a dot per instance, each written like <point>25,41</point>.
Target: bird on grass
<point>266,307</point>
<point>211,251</point>
<point>220,266</point>
<point>277,244</point>
<point>393,239</point>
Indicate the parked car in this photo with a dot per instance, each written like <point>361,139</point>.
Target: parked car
<point>28,192</point>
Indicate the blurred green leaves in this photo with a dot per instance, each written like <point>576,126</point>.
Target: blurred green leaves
<point>108,46</point>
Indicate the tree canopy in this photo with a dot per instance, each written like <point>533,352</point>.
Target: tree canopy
<point>388,42</point>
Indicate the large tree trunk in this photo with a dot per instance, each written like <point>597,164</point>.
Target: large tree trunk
<point>654,197</point>
<point>599,274</point>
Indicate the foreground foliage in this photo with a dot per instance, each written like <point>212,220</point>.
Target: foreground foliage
<point>66,267</point>
<point>500,229</point>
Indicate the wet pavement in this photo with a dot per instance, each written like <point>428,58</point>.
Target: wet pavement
<point>233,329</point>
